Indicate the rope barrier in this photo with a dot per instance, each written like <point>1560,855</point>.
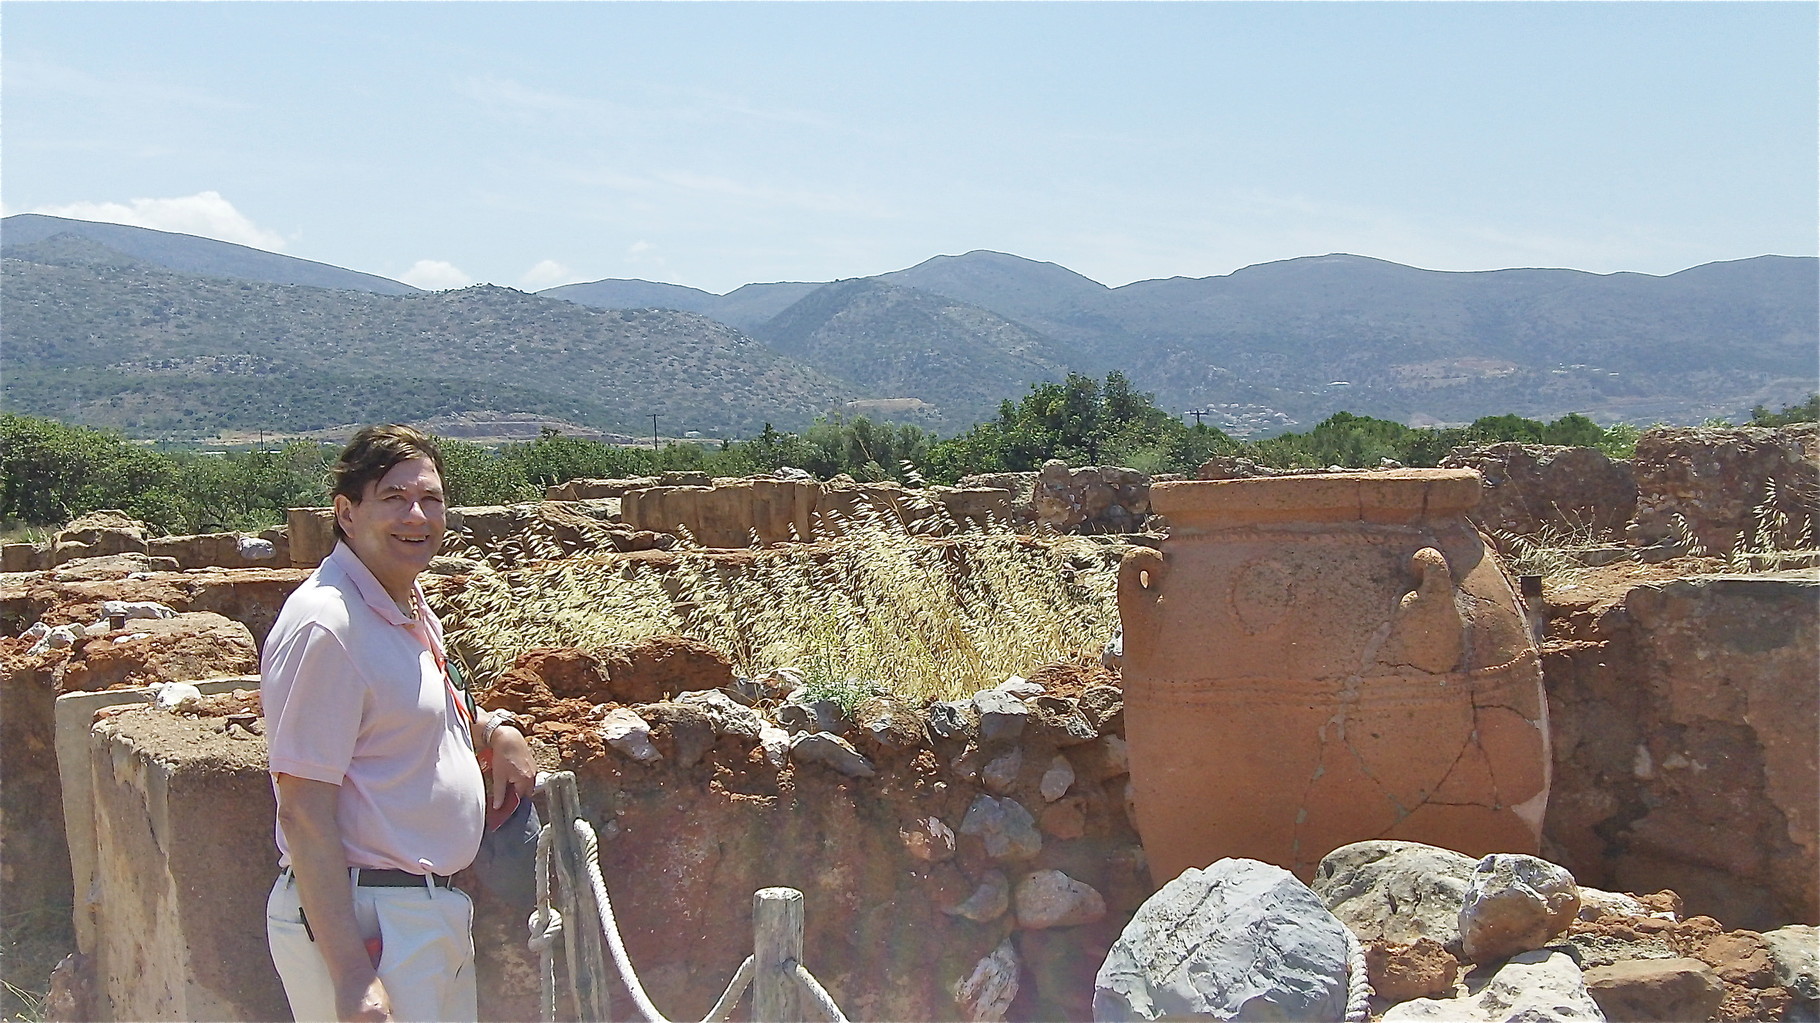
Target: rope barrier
<point>823,1000</point>
<point>1358,986</point>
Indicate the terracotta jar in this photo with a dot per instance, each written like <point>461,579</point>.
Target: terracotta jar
<point>1317,660</point>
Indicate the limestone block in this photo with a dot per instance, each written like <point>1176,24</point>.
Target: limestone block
<point>98,534</point>
<point>1050,898</point>
<point>312,535</point>
<point>1543,986</point>
<point>1513,904</point>
<point>950,718</point>
<point>21,557</point>
<point>728,716</point>
<point>1712,481</point>
<point>1240,940</point>
<point>1396,891</point>
<point>182,858</point>
<point>593,489</point>
<point>1647,990</point>
<point>974,505</point>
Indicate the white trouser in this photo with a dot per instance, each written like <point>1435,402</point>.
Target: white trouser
<point>426,958</point>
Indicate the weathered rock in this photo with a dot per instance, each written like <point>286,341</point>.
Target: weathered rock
<point>727,715</point>
<point>1647,990</point>
<point>1019,686</point>
<point>950,718</point>
<point>625,731</point>
<point>1241,940</point>
<point>98,534</point>
<point>1057,779</point>
<point>1396,891</point>
<point>188,647</point>
<point>1006,828</point>
<point>776,744</point>
<point>1515,903</point>
<point>1102,705</point>
<point>1543,986</point>
<point>1002,715</point>
<point>1796,951</point>
<point>1740,957</point>
<point>832,750</point>
<point>1001,773</point>
<point>684,732</point>
<point>1066,818</point>
<point>988,901</point>
<point>1420,970</point>
<point>928,839</point>
<point>1050,898</point>
<point>889,722</point>
<point>986,994</point>
<point>1060,720</point>
<point>1595,903</point>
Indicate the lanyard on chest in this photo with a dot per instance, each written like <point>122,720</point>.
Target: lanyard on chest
<point>458,694</point>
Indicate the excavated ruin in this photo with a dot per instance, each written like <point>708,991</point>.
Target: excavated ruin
<point>968,859</point>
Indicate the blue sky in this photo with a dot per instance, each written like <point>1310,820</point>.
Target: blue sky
<point>533,144</point>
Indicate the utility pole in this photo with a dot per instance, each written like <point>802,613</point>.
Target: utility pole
<point>1197,414</point>
<point>653,432</point>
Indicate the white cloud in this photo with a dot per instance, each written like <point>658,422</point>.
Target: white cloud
<point>547,274</point>
<point>206,213</point>
<point>435,275</point>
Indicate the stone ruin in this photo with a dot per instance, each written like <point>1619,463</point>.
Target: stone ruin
<point>972,860</point>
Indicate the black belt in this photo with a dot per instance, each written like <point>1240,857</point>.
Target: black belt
<point>374,878</point>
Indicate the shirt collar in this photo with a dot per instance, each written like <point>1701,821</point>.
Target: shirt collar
<point>375,595</point>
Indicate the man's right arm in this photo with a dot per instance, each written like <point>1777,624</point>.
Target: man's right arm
<point>307,812</point>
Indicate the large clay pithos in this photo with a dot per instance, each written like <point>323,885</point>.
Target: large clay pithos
<point>1317,660</point>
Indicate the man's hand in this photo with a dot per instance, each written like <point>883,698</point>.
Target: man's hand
<point>513,765</point>
<point>368,1004</point>
<point>307,812</point>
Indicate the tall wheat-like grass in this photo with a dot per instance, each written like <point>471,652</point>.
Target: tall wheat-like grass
<point>930,610</point>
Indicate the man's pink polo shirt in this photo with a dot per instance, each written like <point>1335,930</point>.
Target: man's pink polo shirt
<point>353,697</point>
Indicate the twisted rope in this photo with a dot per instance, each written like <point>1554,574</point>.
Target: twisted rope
<point>590,848</point>
<point>546,927</point>
<point>1358,986</point>
<point>820,994</point>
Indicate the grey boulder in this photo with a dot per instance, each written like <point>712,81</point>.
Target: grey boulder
<point>1240,940</point>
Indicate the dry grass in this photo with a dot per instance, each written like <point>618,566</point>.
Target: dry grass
<point>929,611</point>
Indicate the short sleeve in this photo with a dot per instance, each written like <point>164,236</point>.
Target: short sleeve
<point>312,731</point>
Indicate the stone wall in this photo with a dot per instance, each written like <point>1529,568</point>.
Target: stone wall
<point>1532,489</point>
<point>1715,484</point>
<point>734,513</point>
<point>1684,720</point>
<point>108,533</point>
<point>926,843</point>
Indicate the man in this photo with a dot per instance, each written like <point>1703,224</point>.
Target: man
<point>372,753</point>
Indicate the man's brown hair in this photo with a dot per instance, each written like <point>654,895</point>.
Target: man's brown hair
<point>371,454</point>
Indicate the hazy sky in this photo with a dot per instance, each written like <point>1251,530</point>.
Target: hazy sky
<point>533,144</point>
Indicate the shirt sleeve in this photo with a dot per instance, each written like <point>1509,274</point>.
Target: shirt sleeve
<point>312,733</point>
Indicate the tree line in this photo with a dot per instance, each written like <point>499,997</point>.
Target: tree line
<point>51,472</point>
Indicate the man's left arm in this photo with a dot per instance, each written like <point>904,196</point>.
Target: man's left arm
<point>513,764</point>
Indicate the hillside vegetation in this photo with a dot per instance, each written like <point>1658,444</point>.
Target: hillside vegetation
<point>159,354</point>
<point>51,472</point>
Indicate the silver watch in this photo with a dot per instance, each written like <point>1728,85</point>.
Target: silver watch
<point>499,717</point>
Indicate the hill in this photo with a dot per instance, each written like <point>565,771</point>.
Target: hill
<point>898,342</point>
<point>180,253</point>
<point>159,354</point>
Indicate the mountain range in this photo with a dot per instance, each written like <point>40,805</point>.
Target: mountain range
<point>168,334</point>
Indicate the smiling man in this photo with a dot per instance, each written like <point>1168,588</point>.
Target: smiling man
<point>372,752</point>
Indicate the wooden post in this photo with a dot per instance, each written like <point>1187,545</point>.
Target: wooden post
<point>777,939</point>
<point>589,978</point>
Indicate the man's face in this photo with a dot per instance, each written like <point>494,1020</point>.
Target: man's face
<point>397,525</point>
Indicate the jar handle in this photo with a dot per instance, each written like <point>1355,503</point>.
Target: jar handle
<point>1141,574</point>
